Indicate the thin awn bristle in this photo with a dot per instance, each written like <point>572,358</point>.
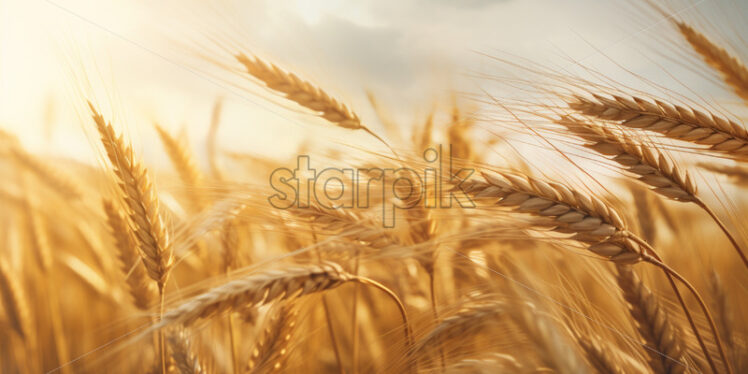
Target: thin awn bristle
<point>732,70</point>
<point>673,121</point>
<point>140,197</point>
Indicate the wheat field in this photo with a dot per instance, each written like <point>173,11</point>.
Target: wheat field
<point>414,249</point>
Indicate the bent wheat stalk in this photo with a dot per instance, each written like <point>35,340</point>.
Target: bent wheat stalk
<point>593,222</point>
<point>269,286</point>
<point>677,122</point>
<point>653,167</point>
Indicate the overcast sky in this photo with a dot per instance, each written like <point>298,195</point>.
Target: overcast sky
<point>142,58</point>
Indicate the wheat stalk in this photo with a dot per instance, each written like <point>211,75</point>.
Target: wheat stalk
<point>140,198</point>
<point>259,289</point>
<point>733,71</point>
<point>722,135</point>
<point>654,168</point>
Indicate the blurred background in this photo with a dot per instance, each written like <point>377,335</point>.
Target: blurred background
<point>169,61</point>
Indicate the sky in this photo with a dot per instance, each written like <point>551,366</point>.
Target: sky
<point>168,61</point>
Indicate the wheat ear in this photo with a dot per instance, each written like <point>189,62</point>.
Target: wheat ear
<point>127,251</point>
<point>348,224</point>
<point>653,168</point>
<point>140,198</point>
<point>674,121</point>
<point>266,287</point>
<point>554,348</point>
<point>305,94</point>
<point>272,346</point>
<point>599,355</point>
<point>142,202</point>
<point>591,220</point>
<point>186,360</point>
<point>733,71</point>
<point>467,321</point>
<point>492,363</point>
<point>14,304</point>
<point>663,344</point>
<point>183,161</point>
